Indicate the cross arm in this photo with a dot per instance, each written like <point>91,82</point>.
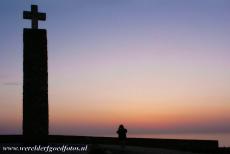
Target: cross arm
<point>42,16</point>
<point>27,15</point>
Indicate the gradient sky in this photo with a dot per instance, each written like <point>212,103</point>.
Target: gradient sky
<point>157,66</point>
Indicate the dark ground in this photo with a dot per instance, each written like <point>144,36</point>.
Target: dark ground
<point>110,145</point>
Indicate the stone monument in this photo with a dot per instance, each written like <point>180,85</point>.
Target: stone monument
<point>35,78</point>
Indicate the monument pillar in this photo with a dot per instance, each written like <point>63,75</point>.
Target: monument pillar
<point>35,80</point>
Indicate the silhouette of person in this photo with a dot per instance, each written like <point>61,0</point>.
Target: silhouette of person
<point>122,135</point>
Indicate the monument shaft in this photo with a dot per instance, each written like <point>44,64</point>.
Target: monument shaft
<point>35,84</point>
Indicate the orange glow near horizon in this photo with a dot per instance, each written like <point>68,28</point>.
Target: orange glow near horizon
<point>164,115</point>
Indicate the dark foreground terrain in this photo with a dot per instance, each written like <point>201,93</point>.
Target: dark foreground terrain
<point>109,145</point>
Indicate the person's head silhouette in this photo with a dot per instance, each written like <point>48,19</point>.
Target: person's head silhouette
<point>121,126</point>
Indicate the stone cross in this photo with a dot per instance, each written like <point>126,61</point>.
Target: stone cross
<point>34,15</point>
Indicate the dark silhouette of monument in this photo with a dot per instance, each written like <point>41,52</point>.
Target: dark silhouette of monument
<point>35,78</point>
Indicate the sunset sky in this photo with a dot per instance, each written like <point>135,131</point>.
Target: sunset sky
<point>156,66</point>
